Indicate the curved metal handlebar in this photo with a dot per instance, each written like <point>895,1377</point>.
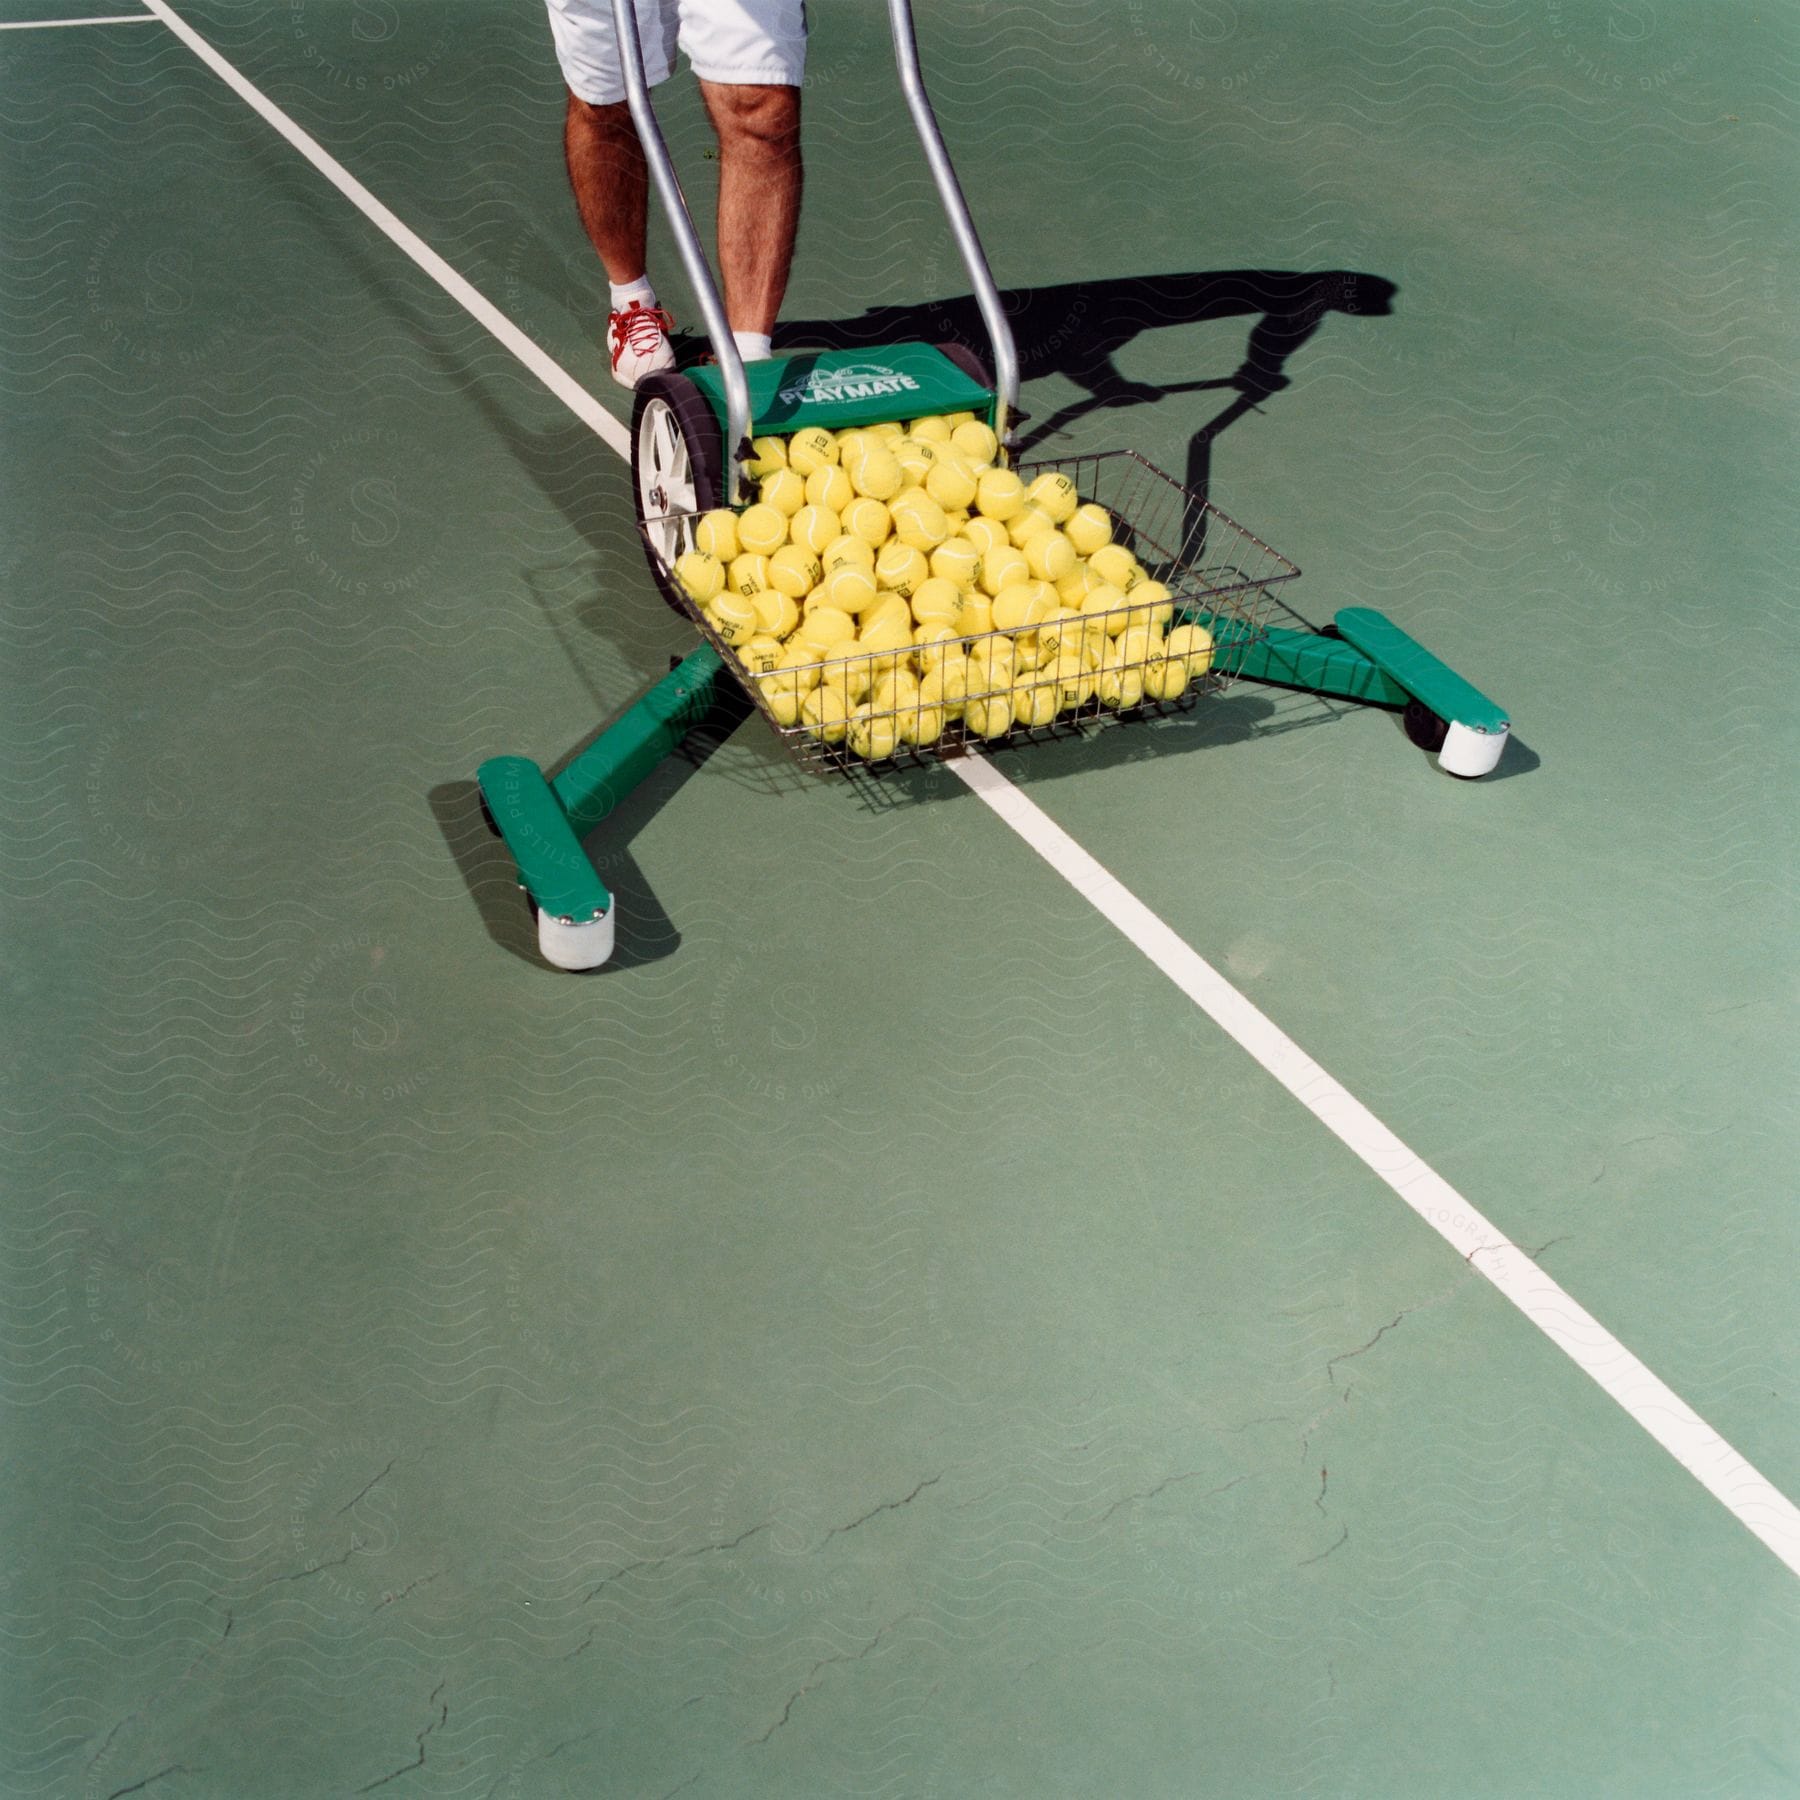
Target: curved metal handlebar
<point>962,227</point>
<point>687,241</point>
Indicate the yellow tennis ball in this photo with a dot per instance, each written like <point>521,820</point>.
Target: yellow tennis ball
<point>936,601</point>
<point>762,528</point>
<point>825,713</point>
<point>958,561</point>
<point>761,654</point>
<point>784,490</point>
<point>1034,702</point>
<point>702,575</point>
<point>1166,678</point>
<point>1061,629</point>
<point>989,715</point>
<point>976,615</point>
<point>1104,606</point>
<point>877,473</point>
<point>748,574</point>
<point>991,666</point>
<point>776,613</point>
<point>1075,682</point>
<point>882,644</point>
<point>1027,522</point>
<point>921,724</point>
<point>848,551</point>
<point>1115,564</point>
<point>888,609</point>
<point>976,441</point>
<point>1022,604</point>
<point>849,588</point>
<point>1151,603</point>
<point>900,567</point>
<point>1089,526</point>
<point>949,481</point>
<point>945,685</point>
<point>872,734</point>
<point>1121,682</point>
<point>1052,490</point>
<point>987,535</point>
<point>717,534</point>
<point>1075,586</point>
<point>1050,555</point>
<point>813,448</point>
<point>767,454</point>
<point>1193,644</point>
<point>733,617</point>
<point>829,486</point>
<point>869,520</point>
<point>888,431</point>
<point>933,428</point>
<point>1002,567</point>
<point>815,527</point>
<point>1138,645</point>
<point>999,493</point>
<point>826,629</point>
<point>893,692</point>
<point>794,570</point>
<point>920,522</point>
<point>852,442</point>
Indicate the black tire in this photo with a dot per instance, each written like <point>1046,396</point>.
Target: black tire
<point>671,422</point>
<point>487,815</point>
<point>1424,727</point>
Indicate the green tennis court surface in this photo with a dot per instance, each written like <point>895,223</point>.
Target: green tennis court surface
<point>879,1337</point>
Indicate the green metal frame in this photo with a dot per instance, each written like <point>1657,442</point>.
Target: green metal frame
<point>543,819</point>
<point>842,388</point>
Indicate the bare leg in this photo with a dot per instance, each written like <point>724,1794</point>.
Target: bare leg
<point>759,196</point>
<point>611,183</point>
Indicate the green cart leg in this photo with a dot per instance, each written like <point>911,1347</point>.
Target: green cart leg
<point>543,820</point>
<point>1369,658</point>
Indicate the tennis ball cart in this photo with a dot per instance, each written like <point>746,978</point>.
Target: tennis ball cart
<point>864,559</point>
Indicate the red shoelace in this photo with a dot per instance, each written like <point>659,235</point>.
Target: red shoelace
<point>637,328</point>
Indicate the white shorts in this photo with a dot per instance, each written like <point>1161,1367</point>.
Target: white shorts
<point>735,41</point>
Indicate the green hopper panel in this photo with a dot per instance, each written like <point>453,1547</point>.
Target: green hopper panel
<point>841,388</point>
<point>1406,661</point>
<point>1300,659</point>
<point>553,867</point>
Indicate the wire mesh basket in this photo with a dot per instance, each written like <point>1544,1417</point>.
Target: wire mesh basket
<point>919,702</point>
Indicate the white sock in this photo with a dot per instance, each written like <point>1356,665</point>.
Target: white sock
<point>753,346</point>
<point>639,290</point>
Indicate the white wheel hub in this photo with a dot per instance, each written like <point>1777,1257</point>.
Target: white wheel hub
<point>666,491</point>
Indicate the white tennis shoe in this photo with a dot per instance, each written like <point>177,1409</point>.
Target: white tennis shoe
<point>640,343</point>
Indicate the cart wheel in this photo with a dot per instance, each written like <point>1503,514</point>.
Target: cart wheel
<point>1330,631</point>
<point>677,468</point>
<point>1424,727</point>
<point>487,817</point>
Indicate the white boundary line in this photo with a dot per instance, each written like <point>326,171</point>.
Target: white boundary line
<point>550,372</point>
<point>1749,1496</point>
<point>142,18</point>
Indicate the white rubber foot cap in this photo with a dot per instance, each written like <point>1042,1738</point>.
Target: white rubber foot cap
<point>583,946</point>
<point>1468,752</point>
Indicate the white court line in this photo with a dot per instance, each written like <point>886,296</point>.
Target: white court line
<point>142,18</point>
<point>1749,1496</point>
<point>1687,1437</point>
<point>549,371</point>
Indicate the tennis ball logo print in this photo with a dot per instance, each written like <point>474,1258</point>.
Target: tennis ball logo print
<point>854,381</point>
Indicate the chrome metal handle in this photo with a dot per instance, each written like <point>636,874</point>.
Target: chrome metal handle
<point>687,241</point>
<point>962,227</point>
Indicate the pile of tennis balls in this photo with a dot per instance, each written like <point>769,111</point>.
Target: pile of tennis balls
<point>892,581</point>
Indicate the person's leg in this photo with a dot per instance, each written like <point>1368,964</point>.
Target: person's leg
<point>759,196</point>
<point>611,183</point>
